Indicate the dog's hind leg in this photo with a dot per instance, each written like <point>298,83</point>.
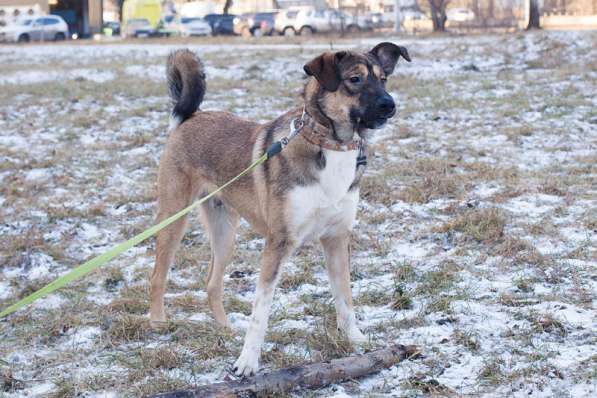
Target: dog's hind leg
<point>175,192</point>
<point>221,223</point>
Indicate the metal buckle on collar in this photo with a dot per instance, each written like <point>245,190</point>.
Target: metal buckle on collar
<point>296,125</point>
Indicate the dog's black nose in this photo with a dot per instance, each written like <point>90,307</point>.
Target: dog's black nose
<point>385,105</point>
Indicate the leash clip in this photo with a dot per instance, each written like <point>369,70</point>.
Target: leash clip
<point>277,147</point>
<point>294,128</point>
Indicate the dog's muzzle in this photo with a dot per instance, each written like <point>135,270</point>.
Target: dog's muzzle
<point>378,113</point>
<point>386,108</point>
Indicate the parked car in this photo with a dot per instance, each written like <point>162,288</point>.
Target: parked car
<point>43,28</point>
<point>138,27</point>
<point>169,25</point>
<point>149,10</point>
<point>377,20</point>
<point>285,21</point>
<point>460,14</point>
<point>112,27</point>
<point>361,22</point>
<point>224,26</point>
<point>412,14</point>
<point>221,24</point>
<point>306,21</point>
<point>194,27</point>
<point>255,24</point>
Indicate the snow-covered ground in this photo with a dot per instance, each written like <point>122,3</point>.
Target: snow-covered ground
<point>476,235</point>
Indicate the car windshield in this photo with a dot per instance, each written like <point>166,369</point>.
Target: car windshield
<point>191,20</point>
<point>25,22</point>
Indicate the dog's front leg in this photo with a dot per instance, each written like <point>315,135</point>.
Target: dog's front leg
<point>275,253</point>
<point>337,253</point>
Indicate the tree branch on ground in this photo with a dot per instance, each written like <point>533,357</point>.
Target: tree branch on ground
<point>309,376</point>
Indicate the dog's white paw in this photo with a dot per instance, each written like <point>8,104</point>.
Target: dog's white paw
<point>246,365</point>
<point>356,337</point>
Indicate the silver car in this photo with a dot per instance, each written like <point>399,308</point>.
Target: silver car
<point>44,28</point>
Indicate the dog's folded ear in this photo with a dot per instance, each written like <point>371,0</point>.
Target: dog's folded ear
<point>325,69</point>
<point>388,55</point>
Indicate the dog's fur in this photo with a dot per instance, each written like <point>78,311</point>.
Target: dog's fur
<point>304,193</point>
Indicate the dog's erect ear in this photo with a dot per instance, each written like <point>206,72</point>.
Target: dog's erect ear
<point>388,54</point>
<point>325,69</point>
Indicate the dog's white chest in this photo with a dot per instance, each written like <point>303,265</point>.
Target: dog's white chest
<point>317,209</point>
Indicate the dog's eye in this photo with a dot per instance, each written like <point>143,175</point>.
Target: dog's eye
<point>355,79</point>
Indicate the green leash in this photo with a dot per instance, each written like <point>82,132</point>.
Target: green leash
<point>100,260</point>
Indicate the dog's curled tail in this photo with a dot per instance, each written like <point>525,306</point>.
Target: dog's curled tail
<point>186,83</point>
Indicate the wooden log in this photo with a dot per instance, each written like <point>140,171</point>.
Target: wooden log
<point>308,376</point>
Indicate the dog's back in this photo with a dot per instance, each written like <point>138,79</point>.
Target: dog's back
<point>203,138</point>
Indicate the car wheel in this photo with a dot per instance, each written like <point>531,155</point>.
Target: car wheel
<point>289,32</point>
<point>353,29</point>
<point>306,31</point>
<point>24,38</point>
<point>59,36</point>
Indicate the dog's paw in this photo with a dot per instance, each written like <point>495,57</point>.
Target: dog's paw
<point>158,325</point>
<point>157,321</point>
<point>246,365</point>
<point>356,337</point>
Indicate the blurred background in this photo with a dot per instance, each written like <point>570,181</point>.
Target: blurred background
<point>33,20</point>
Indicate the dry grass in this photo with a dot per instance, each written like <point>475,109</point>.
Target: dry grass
<point>127,328</point>
<point>476,208</point>
<point>480,225</point>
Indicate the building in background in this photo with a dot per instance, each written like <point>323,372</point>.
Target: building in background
<point>11,10</point>
<point>84,17</point>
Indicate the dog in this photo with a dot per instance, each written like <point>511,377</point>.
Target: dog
<point>307,192</point>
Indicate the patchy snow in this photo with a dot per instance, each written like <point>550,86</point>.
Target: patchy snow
<point>513,316</point>
<point>81,339</point>
<point>44,76</point>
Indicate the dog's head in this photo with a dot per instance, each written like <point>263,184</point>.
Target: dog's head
<point>349,88</point>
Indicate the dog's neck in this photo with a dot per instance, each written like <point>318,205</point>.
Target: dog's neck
<point>326,126</point>
<point>340,132</point>
<point>321,135</point>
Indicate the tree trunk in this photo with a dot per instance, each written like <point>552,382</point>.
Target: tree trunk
<point>397,16</point>
<point>315,375</point>
<point>227,6</point>
<point>534,18</point>
<point>438,14</point>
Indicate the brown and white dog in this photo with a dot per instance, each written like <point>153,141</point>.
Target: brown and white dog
<point>309,191</point>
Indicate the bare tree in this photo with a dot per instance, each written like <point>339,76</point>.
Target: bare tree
<point>438,14</point>
<point>397,16</point>
<point>120,3</point>
<point>534,17</point>
<point>227,6</point>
